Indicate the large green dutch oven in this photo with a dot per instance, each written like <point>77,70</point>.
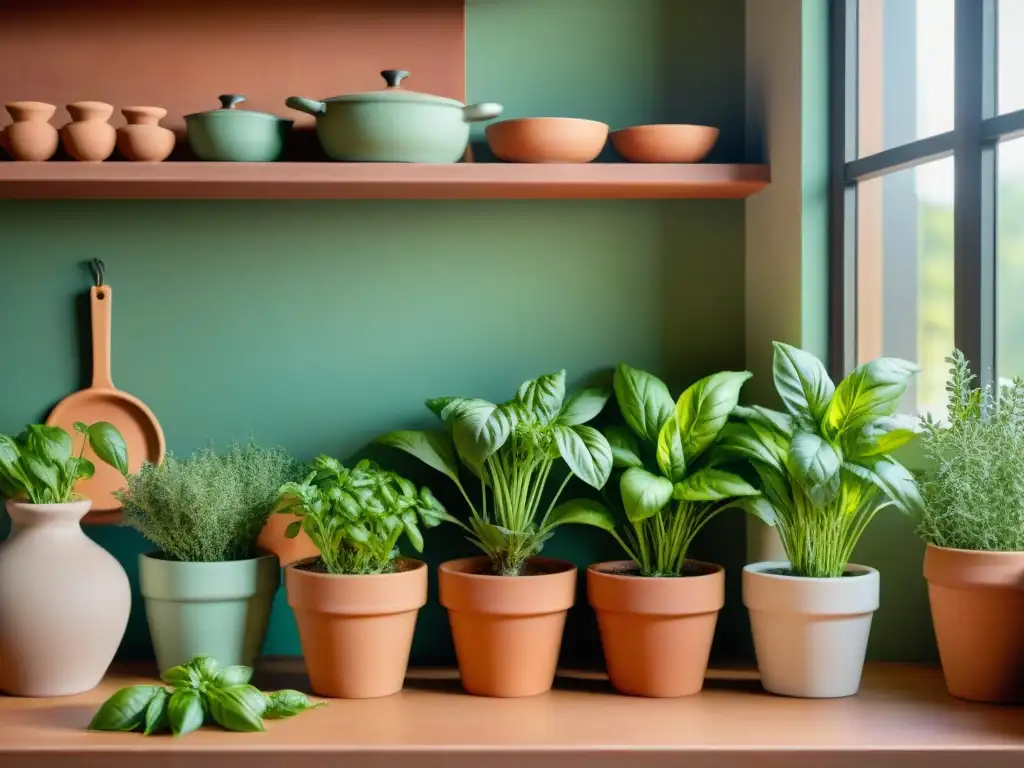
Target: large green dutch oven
<point>236,135</point>
<point>394,125</point>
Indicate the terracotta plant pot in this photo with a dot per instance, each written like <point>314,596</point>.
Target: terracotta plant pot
<point>89,137</point>
<point>30,137</point>
<point>977,601</point>
<point>210,609</point>
<point>656,632</point>
<point>507,629</point>
<point>665,143</point>
<point>288,551</point>
<point>547,140</point>
<point>64,603</point>
<point>143,139</point>
<point>356,631</point>
<point>810,635</point>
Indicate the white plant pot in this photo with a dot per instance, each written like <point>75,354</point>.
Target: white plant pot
<point>810,635</point>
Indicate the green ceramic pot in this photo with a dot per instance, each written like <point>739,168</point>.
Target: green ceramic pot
<point>394,125</point>
<point>213,609</point>
<point>236,135</point>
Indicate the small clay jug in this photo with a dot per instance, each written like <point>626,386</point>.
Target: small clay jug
<point>30,136</point>
<point>64,602</point>
<point>89,137</point>
<point>143,139</point>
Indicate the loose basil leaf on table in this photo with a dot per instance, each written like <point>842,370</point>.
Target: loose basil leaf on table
<point>234,675</point>
<point>185,711</point>
<point>287,703</point>
<point>237,707</point>
<point>125,710</point>
<point>157,718</point>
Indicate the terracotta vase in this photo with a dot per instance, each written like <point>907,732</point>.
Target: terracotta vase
<point>656,632</point>
<point>208,609</point>
<point>356,631</point>
<point>64,603</point>
<point>810,635</point>
<point>30,136</point>
<point>977,602</point>
<point>272,539</point>
<point>89,137</point>
<point>143,139</point>
<point>507,629</point>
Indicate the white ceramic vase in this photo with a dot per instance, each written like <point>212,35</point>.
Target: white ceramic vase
<point>64,602</point>
<point>810,635</point>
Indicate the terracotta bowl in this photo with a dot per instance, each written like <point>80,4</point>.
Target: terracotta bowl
<point>665,143</point>
<point>547,140</point>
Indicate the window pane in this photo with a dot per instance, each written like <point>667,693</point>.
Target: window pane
<point>1011,55</point>
<point>905,71</point>
<point>1010,260</point>
<point>905,275</point>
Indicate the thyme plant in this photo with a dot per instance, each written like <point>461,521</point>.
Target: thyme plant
<point>672,485</point>
<point>974,494</point>
<point>824,467</point>
<point>209,507</point>
<point>511,450</point>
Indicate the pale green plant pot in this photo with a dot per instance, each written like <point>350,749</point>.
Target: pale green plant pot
<point>211,609</point>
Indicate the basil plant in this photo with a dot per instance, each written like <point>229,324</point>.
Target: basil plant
<point>42,465</point>
<point>825,466</point>
<point>673,485</point>
<point>355,517</point>
<point>511,449</point>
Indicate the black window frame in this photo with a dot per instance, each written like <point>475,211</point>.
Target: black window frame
<point>977,130</point>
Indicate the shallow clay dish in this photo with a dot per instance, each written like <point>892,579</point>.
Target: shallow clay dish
<point>665,143</point>
<point>547,139</point>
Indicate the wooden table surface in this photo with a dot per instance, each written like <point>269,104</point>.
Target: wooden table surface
<point>902,717</point>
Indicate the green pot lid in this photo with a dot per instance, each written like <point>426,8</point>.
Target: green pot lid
<point>394,92</point>
<point>228,102</point>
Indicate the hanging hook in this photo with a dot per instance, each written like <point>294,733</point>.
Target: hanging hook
<point>98,268</point>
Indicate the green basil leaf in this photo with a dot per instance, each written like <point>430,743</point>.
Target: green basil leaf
<point>43,473</point>
<point>237,708</point>
<point>184,676</point>
<point>643,494</point>
<point>582,512</point>
<point>13,480</point>
<point>802,382</point>
<point>438,405</point>
<point>740,440</point>
<point>881,436</point>
<point>207,667</point>
<point>412,531</point>
<point>293,529</point>
<point>871,390</point>
<point>432,448</point>
<point>233,675</point>
<point>583,406</point>
<point>185,711</point>
<point>156,717</point>
<point>759,507</point>
<point>125,710</point>
<point>81,428</point>
<point>671,458</point>
<point>814,464</point>
<point>287,703</point>
<point>586,451</point>
<point>712,485</point>
<point>625,451</point>
<point>543,396</point>
<point>644,401</point>
<point>703,410</point>
<point>83,468</point>
<point>893,479</point>
<point>480,429</point>
<point>108,445</point>
<point>765,419</point>
<point>51,444</point>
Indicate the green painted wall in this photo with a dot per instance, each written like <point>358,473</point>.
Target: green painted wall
<point>318,325</point>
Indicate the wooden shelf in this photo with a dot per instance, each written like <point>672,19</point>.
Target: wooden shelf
<point>902,717</point>
<point>391,181</point>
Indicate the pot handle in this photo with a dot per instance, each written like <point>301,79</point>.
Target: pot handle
<point>309,106</point>
<point>475,113</point>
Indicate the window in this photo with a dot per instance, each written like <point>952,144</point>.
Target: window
<point>928,187</point>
